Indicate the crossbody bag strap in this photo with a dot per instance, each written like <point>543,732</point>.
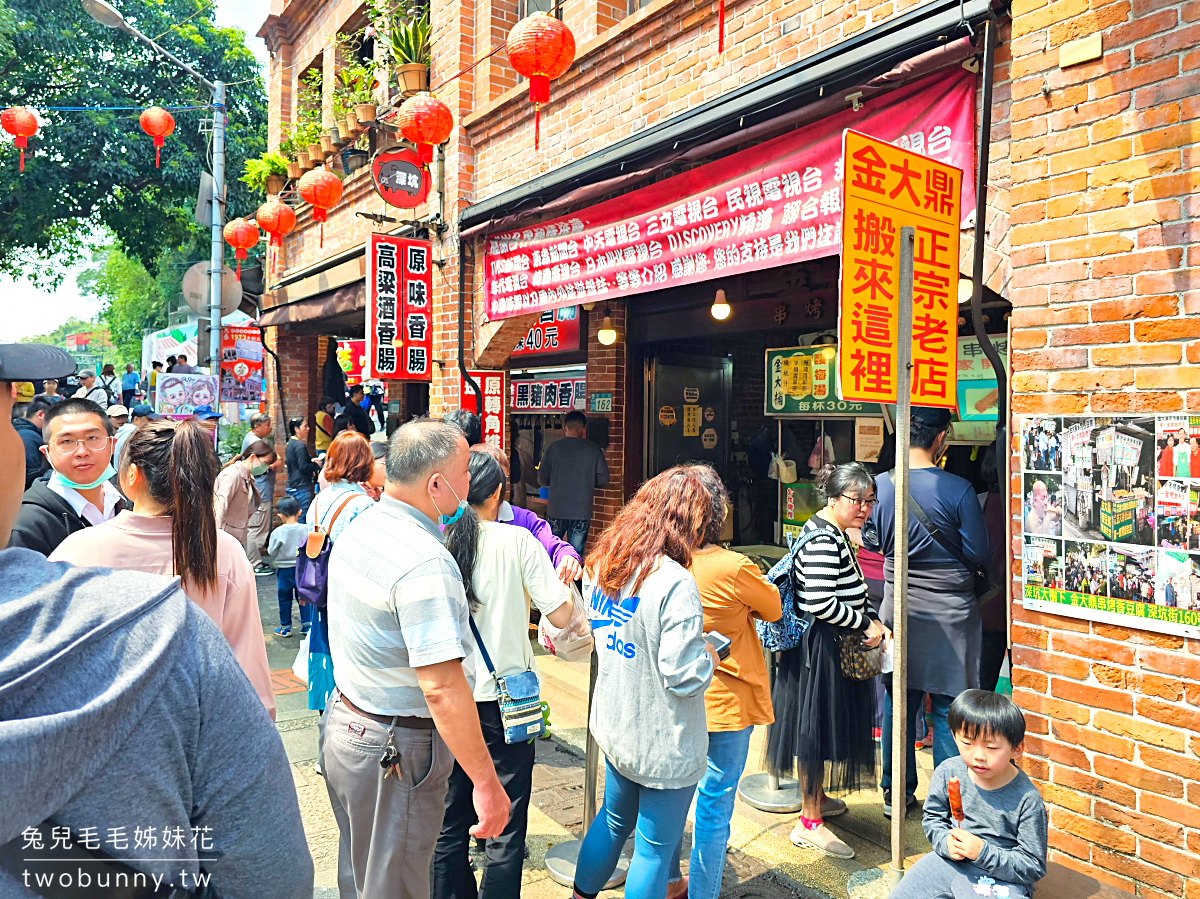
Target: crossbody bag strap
<point>938,536</point>
<point>487,660</point>
<point>337,512</point>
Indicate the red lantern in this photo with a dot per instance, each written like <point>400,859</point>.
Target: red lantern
<point>322,189</point>
<point>540,47</point>
<point>426,121</point>
<point>277,219</point>
<point>241,235</point>
<point>21,124</point>
<point>158,123</point>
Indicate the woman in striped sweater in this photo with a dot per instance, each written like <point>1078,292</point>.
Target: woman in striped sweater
<point>823,719</point>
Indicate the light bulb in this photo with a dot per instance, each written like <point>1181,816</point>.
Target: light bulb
<point>607,334</point>
<point>720,307</point>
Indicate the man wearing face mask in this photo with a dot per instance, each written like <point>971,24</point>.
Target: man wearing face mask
<point>399,636</point>
<point>945,628</point>
<point>76,492</point>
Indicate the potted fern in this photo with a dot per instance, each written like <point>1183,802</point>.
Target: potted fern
<point>409,49</point>
<point>267,173</point>
<point>287,148</point>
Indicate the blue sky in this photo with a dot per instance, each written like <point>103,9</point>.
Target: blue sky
<point>30,310</point>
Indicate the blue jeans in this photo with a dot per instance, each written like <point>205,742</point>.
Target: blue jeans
<point>659,816</point>
<point>573,530</point>
<point>943,741</point>
<point>727,752</point>
<point>302,495</point>
<point>285,578</point>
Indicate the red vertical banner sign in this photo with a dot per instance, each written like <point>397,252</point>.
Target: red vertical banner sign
<point>492,418</point>
<point>887,188</point>
<point>399,288</point>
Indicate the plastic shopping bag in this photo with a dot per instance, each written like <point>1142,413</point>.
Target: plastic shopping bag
<point>572,643</point>
<point>300,666</point>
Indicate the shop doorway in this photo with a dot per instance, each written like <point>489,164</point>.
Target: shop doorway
<point>688,400</point>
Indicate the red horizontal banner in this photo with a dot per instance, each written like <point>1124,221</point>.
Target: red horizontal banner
<point>772,204</point>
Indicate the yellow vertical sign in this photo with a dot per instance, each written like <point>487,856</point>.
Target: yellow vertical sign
<point>887,188</point>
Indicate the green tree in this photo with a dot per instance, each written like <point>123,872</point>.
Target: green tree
<point>132,302</point>
<point>93,170</point>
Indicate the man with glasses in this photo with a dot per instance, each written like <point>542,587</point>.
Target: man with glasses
<point>76,492</point>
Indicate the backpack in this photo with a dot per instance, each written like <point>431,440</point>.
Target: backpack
<point>312,561</point>
<point>785,634</point>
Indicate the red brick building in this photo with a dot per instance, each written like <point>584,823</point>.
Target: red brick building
<point>1088,235</point>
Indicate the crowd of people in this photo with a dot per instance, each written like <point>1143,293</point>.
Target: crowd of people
<point>415,579</point>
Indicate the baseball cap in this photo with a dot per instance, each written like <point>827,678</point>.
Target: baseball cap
<point>205,413</point>
<point>144,410</point>
<point>117,410</point>
<point>33,362</point>
<point>25,392</point>
<point>932,417</point>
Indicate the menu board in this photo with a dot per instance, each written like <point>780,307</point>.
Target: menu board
<point>1110,519</point>
<point>802,380</point>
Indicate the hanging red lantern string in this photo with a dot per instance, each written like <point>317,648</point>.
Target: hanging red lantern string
<point>426,121</point>
<point>22,125</point>
<point>158,123</point>
<point>721,27</point>
<point>277,219</point>
<point>322,189</point>
<point>241,235</point>
<point>540,47</point>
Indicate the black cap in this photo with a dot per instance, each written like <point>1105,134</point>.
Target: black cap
<point>932,417</point>
<point>33,362</point>
<point>144,410</point>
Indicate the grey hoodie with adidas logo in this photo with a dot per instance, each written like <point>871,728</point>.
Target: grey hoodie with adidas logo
<point>648,708</point>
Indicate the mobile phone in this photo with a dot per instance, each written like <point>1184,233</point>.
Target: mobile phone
<point>719,642</point>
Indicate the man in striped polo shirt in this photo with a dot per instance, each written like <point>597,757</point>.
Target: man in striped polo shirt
<point>401,647</point>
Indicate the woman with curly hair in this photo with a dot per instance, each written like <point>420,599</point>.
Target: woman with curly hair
<point>654,666</point>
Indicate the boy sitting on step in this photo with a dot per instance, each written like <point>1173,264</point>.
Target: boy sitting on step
<point>993,841</point>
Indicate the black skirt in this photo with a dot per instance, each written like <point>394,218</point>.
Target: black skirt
<point>823,720</point>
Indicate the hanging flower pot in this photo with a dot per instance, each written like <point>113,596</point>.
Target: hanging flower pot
<point>303,160</point>
<point>22,125</point>
<point>322,188</point>
<point>364,113</point>
<point>426,121</point>
<point>159,124</point>
<point>540,47</point>
<point>315,153</point>
<point>326,144</point>
<point>277,219</point>
<point>294,171</point>
<point>242,236</point>
<point>275,183</point>
<point>413,78</point>
<point>352,129</point>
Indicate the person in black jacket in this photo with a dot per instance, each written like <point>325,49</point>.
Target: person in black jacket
<point>302,470</point>
<point>77,492</point>
<point>29,427</point>
<point>354,412</point>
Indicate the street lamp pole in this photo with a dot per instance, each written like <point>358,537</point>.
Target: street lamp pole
<point>107,15</point>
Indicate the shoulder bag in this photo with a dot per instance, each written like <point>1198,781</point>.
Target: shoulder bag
<point>520,699</point>
<point>312,562</point>
<point>786,633</point>
<point>985,590</point>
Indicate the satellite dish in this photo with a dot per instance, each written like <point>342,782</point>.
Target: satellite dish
<point>196,283</point>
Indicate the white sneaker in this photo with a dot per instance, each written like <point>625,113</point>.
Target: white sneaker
<point>822,839</point>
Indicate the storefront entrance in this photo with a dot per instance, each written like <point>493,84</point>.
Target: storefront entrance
<point>688,401</point>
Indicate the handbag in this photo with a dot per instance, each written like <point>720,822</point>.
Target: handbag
<point>312,563</point>
<point>856,661</point>
<point>520,699</point>
<point>985,590</point>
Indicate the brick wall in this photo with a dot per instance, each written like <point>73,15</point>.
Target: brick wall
<point>606,373</point>
<point>1104,160</point>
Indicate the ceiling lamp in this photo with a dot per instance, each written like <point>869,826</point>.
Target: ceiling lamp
<point>607,335</point>
<point>720,306</point>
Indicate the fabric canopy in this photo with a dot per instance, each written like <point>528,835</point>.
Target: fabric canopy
<point>341,312</point>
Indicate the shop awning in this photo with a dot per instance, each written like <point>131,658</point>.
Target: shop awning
<point>339,312</point>
<point>848,63</point>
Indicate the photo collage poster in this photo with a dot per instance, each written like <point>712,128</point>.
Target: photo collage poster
<point>1110,519</point>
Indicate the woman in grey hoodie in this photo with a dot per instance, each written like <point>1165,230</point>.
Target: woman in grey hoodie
<point>654,666</point>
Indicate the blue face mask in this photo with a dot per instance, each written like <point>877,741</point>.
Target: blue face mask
<point>447,520</point>
<point>63,481</point>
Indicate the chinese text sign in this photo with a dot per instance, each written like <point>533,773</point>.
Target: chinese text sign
<point>399,344</point>
<point>548,396</point>
<point>491,417</point>
<point>887,188</point>
<point>241,364</point>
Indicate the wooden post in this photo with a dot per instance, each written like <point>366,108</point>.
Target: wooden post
<point>900,557</point>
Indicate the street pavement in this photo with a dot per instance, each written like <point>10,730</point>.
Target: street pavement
<point>761,863</point>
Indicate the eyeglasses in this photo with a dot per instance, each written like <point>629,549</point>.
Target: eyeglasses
<point>67,445</point>
<point>861,503</point>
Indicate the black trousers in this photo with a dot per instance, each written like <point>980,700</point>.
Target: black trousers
<point>450,870</point>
